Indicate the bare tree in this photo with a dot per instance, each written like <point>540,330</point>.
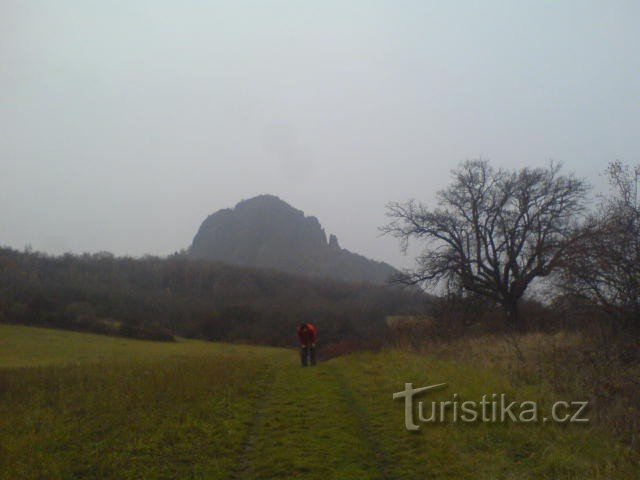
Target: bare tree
<point>605,266</point>
<point>493,232</point>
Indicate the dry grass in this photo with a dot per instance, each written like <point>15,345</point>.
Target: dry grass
<point>570,363</point>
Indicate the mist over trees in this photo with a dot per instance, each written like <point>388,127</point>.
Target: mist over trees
<point>493,232</point>
<point>157,298</point>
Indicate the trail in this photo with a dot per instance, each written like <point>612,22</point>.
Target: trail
<point>308,425</point>
<point>368,435</point>
<point>243,467</point>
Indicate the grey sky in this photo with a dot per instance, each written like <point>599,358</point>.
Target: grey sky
<point>124,123</point>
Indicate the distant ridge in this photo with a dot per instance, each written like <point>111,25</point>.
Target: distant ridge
<point>267,232</point>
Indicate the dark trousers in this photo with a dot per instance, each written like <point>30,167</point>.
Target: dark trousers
<point>308,355</point>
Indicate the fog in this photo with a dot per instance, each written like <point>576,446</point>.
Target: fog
<point>123,124</point>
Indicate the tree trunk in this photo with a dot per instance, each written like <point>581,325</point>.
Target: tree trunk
<point>514,319</point>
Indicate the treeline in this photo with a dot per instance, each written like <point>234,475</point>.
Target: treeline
<point>159,298</point>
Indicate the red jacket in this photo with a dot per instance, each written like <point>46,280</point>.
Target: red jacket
<point>308,337</point>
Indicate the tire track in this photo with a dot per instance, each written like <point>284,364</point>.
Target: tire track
<point>368,435</point>
<point>243,468</point>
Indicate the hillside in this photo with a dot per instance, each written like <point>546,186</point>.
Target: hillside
<point>93,407</point>
<point>156,298</point>
<point>267,232</point>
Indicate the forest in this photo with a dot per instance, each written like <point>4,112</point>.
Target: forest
<point>158,298</point>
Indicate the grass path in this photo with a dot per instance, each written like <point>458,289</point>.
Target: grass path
<point>368,436</point>
<point>242,468</point>
<point>76,406</point>
<point>309,430</point>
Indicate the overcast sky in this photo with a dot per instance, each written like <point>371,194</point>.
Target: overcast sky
<point>123,124</point>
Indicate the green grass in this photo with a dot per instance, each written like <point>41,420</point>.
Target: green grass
<point>29,347</point>
<point>92,407</point>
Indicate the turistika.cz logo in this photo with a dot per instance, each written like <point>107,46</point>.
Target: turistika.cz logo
<point>492,408</point>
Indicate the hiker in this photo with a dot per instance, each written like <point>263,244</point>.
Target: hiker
<point>307,334</point>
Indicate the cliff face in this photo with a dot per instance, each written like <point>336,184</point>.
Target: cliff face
<point>269,233</point>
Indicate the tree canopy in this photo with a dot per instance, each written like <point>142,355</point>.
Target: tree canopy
<point>493,231</point>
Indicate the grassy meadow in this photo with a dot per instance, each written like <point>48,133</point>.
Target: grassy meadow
<point>76,406</point>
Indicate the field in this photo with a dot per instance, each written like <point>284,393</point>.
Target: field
<point>77,405</point>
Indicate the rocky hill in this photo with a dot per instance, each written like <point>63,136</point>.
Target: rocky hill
<point>267,232</point>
